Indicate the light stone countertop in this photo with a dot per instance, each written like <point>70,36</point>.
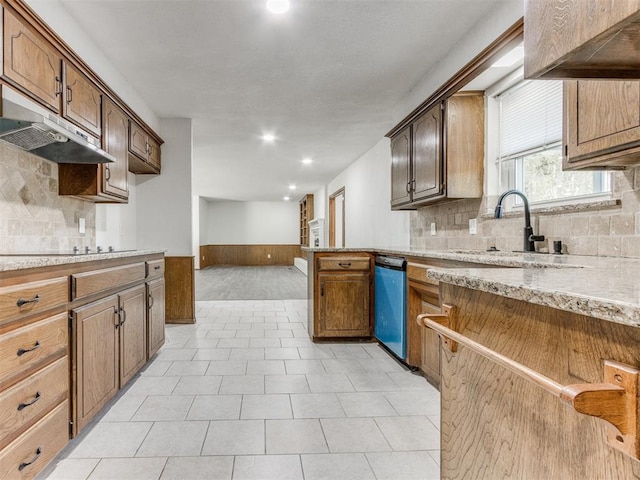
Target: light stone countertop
<point>10,262</point>
<point>607,288</point>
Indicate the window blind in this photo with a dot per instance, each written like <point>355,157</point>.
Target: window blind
<point>530,117</point>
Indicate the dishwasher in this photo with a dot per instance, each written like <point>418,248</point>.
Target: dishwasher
<point>391,304</point>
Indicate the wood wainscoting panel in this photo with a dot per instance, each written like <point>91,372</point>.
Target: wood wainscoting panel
<point>180,303</point>
<point>248,255</point>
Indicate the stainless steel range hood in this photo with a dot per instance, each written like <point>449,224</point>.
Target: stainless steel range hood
<point>33,128</point>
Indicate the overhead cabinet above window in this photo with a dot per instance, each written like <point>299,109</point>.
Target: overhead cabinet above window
<point>440,155</point>
<point>602,124</point>
<point>582,39</point>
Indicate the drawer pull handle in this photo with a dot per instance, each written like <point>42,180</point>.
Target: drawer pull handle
<point>31,402</point>
<point>22,351</point>
<point>24,465</point>
<point>123,316</point>
<point>157,267</point>
<point>151,301</point>
<point>22,301</point>
<point>345,264</point>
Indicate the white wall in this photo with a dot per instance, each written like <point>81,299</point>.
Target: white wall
<point>165,202</point>
<point>496,22</point>
<point>253,223</point>
<point>55,15</point>
<point>369,221</point>
<point>116,224</point>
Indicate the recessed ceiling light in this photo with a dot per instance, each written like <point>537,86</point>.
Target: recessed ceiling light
<point>286,199</point>
<point>292,187</point>
<point>277,6</point>
<point>307,161</point>
<point>269,137</point>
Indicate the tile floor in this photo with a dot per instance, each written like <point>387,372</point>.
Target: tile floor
<point>244,394</point>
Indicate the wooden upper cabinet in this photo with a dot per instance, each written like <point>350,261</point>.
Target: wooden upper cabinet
<point>81,101</point>
<point>582,39</point>
<point>31,63</point>
<point>601,124</point>
<point>105,182</point>
<point>441,154</point>
<point>427,155</point>
<point>114,141</point>
<point>144,151</point>
<point>401,168</point>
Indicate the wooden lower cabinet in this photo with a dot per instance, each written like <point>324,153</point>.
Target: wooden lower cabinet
<point>110,348</point>
<point>133,332</point>
<point>344,305</point>
<point>30,453</point>
<point>155,316</point>
<point>96,358</point>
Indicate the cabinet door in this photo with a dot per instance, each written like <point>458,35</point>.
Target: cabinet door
<point>30,62</point>
<point>430,358</point>
<point>602,119</point>
<point>96,357</point>
<point>82,101</point>
<point>427,155</point>
<point>401,168</point>
<point>138,141</point>
<point>114,141</point>
<point>344,305</point>
<point>155,312</point>
<point>133,332</point>
<point>154,154</point>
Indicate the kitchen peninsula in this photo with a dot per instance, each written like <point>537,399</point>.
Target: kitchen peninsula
<point>561,316</point>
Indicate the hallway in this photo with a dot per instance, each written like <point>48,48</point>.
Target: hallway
<point>244,394</point>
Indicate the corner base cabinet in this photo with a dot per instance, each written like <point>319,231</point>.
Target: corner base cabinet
<point>342,296</point>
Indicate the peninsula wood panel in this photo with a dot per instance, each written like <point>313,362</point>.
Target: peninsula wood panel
<point>180,303</point>
<point>496,424</point>
<point>248,255</point>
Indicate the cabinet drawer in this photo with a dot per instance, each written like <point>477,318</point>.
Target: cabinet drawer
<point>155,268</point>
<point>344,263</point>
<point>35,344</point>
<point>18,301</point>
<point>30,453</point>
<point>88,283</point>
<point>30,399</point>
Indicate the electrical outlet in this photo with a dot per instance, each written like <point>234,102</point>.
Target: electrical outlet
<point>203,258</point>
<point>268,255</point>
<point>81,226</point>
<point>433,228</point>
<point>473,226</point>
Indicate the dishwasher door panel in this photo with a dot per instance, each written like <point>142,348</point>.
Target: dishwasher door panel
<point>390,309</point>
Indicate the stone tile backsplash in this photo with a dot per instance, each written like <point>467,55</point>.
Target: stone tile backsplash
<point>605,229</point>
<point>33,217</point>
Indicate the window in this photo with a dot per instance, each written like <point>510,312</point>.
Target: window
<point>529,154</point>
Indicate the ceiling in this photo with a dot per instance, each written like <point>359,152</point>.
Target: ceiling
<point>323,78</point>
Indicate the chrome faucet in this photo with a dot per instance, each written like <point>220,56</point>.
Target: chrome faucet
<point>529,238</point>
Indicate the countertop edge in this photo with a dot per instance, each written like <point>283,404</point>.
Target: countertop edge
<point>19,262</point>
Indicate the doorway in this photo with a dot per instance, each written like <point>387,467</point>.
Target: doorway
<point>336,219</point>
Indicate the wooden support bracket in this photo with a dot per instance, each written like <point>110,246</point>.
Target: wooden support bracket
<point>615,401</point>
<point>447,319</point>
